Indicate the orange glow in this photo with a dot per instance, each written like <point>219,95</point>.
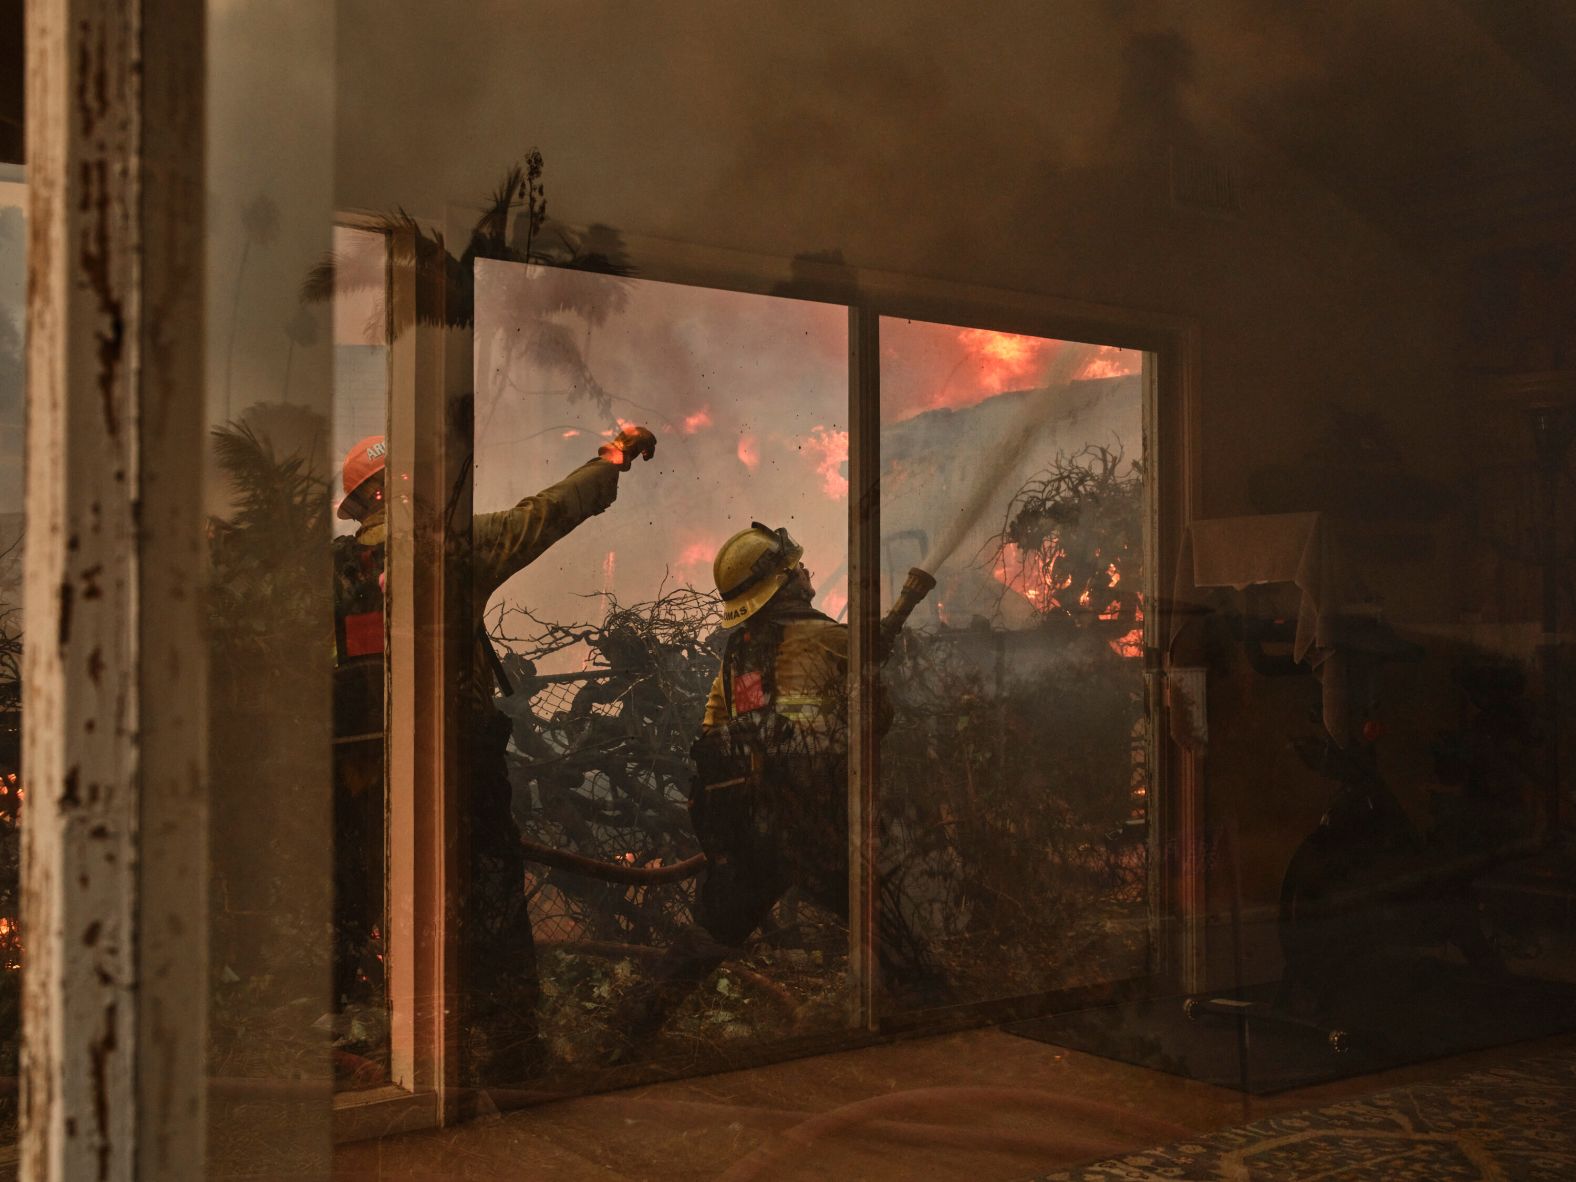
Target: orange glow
<point>831,448</point>
<point>1111,362</point>
<point>749,453</point>
<point>965,366</point>
<point>696,554</point>
<point>698,421</point>
<point>1031,574</point>
<point>1004,361</point>
<point>571,433</point>
<point>1129,645</point>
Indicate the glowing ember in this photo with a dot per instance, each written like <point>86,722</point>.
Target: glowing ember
<point>831,448</point>
<point>1129,645</point>
<point>700,420</point>
<point>1033,574</point>
<point>749,453</point>
<point>571,433</point>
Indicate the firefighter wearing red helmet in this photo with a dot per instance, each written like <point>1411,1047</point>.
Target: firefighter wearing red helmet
<point>497,950</point>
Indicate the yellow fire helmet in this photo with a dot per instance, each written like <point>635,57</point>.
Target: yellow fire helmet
<point>750,568</point>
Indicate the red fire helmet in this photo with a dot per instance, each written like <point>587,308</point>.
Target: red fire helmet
<point>362,462</point>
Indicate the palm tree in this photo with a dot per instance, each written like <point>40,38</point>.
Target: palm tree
<point>513,227</point>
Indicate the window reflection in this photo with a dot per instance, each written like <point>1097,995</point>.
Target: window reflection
<point>361,364</point>
<point>1016,770</point>
<point>13,323</point>
<point>610,644</point>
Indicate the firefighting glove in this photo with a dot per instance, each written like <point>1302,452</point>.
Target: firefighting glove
<point>629,443</point>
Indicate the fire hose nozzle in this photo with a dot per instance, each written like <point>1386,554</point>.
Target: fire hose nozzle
<point>919,584</point>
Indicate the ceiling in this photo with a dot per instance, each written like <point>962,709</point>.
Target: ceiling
<point>1448,121</point>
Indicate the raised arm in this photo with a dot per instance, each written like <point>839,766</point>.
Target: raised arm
<point>506,542</point>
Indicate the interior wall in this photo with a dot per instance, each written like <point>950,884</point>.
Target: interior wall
<point>1031,147</point>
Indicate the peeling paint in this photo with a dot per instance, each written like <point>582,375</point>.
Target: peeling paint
<point>67,597</point>
<point>107,174</point>
<point>100,1051</point>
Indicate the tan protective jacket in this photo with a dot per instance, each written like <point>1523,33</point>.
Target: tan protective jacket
<point>812,674</point>
<point>506,542</point>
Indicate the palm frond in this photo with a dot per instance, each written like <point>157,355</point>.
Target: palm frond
<point>489,238</point>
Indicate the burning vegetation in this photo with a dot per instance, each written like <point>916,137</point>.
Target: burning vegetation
<point>1072,543</point>
<point>11,797</point>
<point>1014,778</point>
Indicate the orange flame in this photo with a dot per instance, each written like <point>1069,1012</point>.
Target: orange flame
<point>832,448</point>
<point>698,421</point>
<point>1111,362</point>
<point>749,453</point>
<point>1129,645</point>
<point>1004,360</point>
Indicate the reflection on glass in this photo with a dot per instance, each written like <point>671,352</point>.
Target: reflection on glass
<point>361,367</point>
<point>609,646</point>
<point>1015,767</point>
<point>267,499</point>
<point>13,323</point>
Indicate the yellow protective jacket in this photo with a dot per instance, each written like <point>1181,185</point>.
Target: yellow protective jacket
<point>811,674</point>
<point>506,542</point>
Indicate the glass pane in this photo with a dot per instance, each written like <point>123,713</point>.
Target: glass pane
<point>610,642</point>
<point>269,501</point>
<point>361,375</point>
<point>13,325</point>
<point>1014,771</point>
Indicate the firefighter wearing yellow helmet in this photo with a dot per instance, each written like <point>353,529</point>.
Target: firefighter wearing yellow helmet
<point>781,648</point>
<point>769,801</point>
<point>751,567</point>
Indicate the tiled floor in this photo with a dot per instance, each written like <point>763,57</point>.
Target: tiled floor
<point>977,1106</point>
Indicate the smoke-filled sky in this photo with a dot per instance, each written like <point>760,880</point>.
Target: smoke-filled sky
<point>748,397</point>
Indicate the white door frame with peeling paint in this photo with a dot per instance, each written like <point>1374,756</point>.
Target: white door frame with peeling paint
<point>115,862</point>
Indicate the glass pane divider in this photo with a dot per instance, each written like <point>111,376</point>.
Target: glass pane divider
<point>864,671</point>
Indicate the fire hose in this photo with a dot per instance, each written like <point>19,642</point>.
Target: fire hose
<point>918,585</point>
<point>619,872</point>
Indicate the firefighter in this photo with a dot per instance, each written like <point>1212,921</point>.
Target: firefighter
<point>769,799</point>
<point>498,954</point>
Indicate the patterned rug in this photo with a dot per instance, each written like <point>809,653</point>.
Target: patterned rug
<point>1511,1124</point>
